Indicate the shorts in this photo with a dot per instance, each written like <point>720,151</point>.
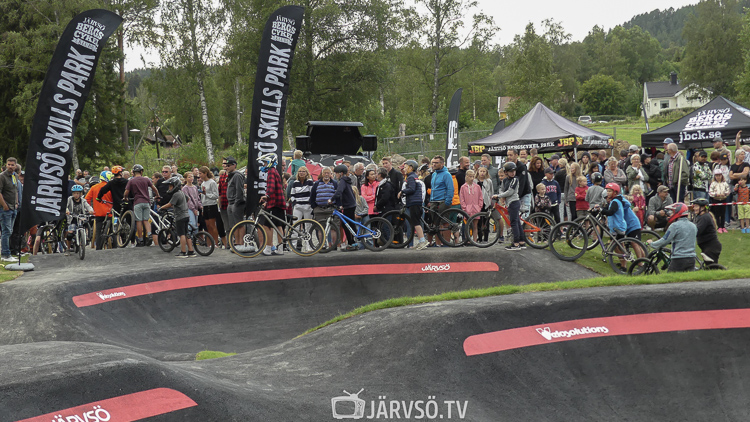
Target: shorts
<point>181,226</point>
<point>438,207</point>
<point>678,265</point>
<point>142,211</point>
<point>211,212</point>
<point>635,234</point>
<point>743,212</point>
<point>279,213</point>
<point>237,212</point>
<point>415,214</point>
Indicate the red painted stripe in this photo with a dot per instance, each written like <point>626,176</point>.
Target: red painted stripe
<point>96,298</point>
<point>130,407</point>
<point>605,327</point>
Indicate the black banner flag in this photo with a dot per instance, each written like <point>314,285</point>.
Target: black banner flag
<point>64,92</point>
<point>269,99</point>
<point>451,146</point>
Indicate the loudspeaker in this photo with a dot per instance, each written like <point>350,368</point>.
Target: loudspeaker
<point>303,143</point>
<point>369,143</point>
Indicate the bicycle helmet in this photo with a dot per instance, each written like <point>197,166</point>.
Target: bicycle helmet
<point>269,161</point>
<point>341,168</point>
<point>106,176</point>
<point>77,188</point>
<point>614,186</point>
<point>117,170</point>
<point>423,168</point>
<point>412,163</point>
<point>509,166</point>
<point>138,168</point>
<point>174,182</point>
<point>596,177</point>
<point>676,211</point>
<point>702,202</point>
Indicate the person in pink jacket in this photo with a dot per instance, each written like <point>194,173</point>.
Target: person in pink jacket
<point>369,187</point>
<point>471,198</point>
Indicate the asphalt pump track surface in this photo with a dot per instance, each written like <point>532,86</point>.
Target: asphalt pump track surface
<point>113,338</point>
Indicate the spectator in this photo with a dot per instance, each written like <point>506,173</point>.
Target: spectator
<point>639,202</point>
<point>624,162</point>
<point>536,170</point>
<point>359,173</point>
<point>385,194</point>
<point>209,199</point>
<point>488,190</point>
<point>9,204</point>
<point>441,197</point>
<point>369,189</point>
<point>585,163</point>
<point>491,170</point>
<point>542,202</point>
<point>721,147</point>
<point>509,191</point>
<point>614,174</point>
<point>300,194</point>
<point>235,197</point>
<point>471,198</point>
<point>636,174</point>
<point>414,197</point>
<point>139,187</point>
<point>193,200</point>
<point>582,206</point>
<point>654,174</point>
<point>320,195</point>
<point>178,201</point>
<point>463,166</point>
<point>702,175</point>
<point>560,176</point>
<point>553,192</point>
<point>718,193</point>
<point>571,182</point>
<point>297,163</point>
<point>743,209</point>
<point>656,215</point>
<point>596,193</point>
<point>524,186</point>
<point>737,171</point>
<point>16,236</point>
<point>554,163</point>
<point>675,173</point>
<point>394,176</point>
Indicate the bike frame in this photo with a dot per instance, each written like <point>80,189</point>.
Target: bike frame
<point>605,229</point>
<point>346,220</point>
<point>506,217</point>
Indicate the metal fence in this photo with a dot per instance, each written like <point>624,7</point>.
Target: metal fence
<point>427,144</point>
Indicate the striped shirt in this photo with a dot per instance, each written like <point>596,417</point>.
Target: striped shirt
<point>300,193</point>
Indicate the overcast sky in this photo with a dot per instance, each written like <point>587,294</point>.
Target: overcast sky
<point>576,16</point>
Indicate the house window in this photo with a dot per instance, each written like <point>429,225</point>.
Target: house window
<point>664,104</point>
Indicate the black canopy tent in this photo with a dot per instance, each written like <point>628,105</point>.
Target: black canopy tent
<point>543,129</point>
<point>720,117</point>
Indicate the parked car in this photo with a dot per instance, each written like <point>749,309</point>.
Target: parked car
<point>584,120</point>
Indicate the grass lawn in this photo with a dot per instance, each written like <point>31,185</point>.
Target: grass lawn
<point>209,354</point>
<point>627,131</point>
<point>6,275</point>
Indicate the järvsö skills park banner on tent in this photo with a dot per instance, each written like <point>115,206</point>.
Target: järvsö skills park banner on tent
<point>270,96</point>
<point>64,92</point>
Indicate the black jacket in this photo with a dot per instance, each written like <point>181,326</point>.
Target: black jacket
<point>385,197</point>
<point>344,194</point>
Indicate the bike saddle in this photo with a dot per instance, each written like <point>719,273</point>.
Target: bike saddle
<point>706,258</point>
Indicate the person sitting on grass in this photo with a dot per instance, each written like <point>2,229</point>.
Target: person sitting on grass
<point>76,206</point>
<point>681,234</point>
<point>181,216</point>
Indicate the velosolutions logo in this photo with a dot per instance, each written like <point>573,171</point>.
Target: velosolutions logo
<point>548,334</point>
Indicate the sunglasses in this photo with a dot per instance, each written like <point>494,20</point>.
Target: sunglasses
<point>165,171</point>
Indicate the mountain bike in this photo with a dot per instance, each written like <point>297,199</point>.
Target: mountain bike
<point>569,240</point>
<point>81,235</point>
<point>376,234</point>
<point>586,223</point>
<point>303,237</point>
<point>52,236</point>
<point>449,226</point>
<point>658,260</point>
<point>488,227</point>
<point>116,230</point>
<point>203,242</point>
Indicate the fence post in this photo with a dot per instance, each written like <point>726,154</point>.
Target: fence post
<point>615,134</point>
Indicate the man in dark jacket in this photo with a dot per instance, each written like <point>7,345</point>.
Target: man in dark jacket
<point>235,193</point>
<point>345,197</point>
<point>117,187</point>
<point>385,194</point>
<point>394,175</point>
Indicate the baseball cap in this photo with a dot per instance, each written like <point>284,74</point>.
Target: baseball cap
<point>554,157</point>
<point>549,170</point>
<point>668,141</point>
<point>633,148</point>
<point>230,160</point>
<point>718,139</point>
<point>662,188</point>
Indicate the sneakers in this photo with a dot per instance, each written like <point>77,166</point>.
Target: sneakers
<point>350,248</point>
<point>267,251</point>
<point>522,246</point>
<point>9,259</point>
<point>182,255</point>
<point>512,248</point>
<point>277,251</point>
<point>421,245</point>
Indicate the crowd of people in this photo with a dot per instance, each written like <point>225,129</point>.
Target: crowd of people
<point>638,190</point>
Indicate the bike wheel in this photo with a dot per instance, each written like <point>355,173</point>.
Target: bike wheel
<point>649,234</point>
<point>536,229</point>
<point>81,239</point>
<point>633,249</point>
<point>568,241</point>
<point>641,266</point>
<point>590,227</point>
<point>487,231</point>
<point>168,239</point>
<point>247,239</point>
<point>125,229</point>
<point>50,242</point>
<point>203,243</point>
<point>305,237</point>
<point>379,234</point>
<point>331,235</point>
<point>715,267</point>
<point>453,227</point>
<point>108,241</point>
<point>403,232</point>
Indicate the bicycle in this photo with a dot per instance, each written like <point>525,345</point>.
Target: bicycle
<point>569,240</point>
<point>81,235</point>
<point>376,234</point>
<point>203,243</point>
<point>646,234</point>
<point>658,260</point>
<point>535,230</point>
<point>116,230</point>
<point>449,226</point>
<point>248,238</point>
<point>52,235</point>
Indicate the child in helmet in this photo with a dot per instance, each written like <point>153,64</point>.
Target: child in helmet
<point>705,223</point>
<point>596,194</point>
<point>509,191</point>
<point>181,216</point>
<point>76,206</point>
<point>681,233</point>
<point>344,196</point>
<point>273,201</point>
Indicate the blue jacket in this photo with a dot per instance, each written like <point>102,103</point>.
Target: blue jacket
<point>413,190</point>
<point>681,234</point>
<point>344,195</point>
<point>553,190</point>
<point>442,186</point>
<point>620,217</point>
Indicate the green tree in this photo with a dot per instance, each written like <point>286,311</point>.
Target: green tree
<point>602,94</point>
<point>713,54</point>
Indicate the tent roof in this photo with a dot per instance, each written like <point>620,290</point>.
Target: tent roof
<point>543,129</point>
<point>720,117</point>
